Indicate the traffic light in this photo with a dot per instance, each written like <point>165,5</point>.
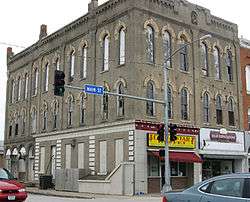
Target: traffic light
<point>161,133</point>
<point>59,83</point>
<point>173,132</point>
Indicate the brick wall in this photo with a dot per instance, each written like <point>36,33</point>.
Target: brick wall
<point>245,60</point>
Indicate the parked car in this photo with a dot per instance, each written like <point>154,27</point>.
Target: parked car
<point>10,189</point>
<point>225,188</point>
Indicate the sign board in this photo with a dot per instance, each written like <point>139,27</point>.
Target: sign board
<point>92,89</point>
<point>183,141</point>
<point>217,136</point>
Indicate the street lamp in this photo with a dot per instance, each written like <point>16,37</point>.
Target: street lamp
<point>167,185</point>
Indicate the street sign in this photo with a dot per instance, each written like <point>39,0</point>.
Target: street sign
<point>92,89</point>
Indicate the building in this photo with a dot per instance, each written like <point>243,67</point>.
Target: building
<point>122,45</point>
<point>245,76</point>
<point>2,161</point>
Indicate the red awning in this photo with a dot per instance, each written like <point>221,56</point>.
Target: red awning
<point>187,157</point>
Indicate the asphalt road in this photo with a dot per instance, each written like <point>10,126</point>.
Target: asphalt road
<point>40,198</point>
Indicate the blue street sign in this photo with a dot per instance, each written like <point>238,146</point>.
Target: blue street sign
<point>92,89</point>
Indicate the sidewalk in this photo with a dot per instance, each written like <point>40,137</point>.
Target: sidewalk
<point>65,194</point>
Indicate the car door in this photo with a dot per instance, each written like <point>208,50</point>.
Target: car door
<point>221,190</point>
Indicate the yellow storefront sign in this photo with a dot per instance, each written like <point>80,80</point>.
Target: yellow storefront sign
<point>183,141</point>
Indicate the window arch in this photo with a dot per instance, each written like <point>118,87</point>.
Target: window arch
<point>204,59</point>
<point>105,105</point>
<point>120,100</point>
<point>150,38</point>
<point>82,108</point>
<point>231,120</point>
<point>183,54</point>
<point>219,117</point>
<point>70,110</point>
<point>105,53</point>
<point>229,64</point>
<point>122,46</point>
<point>150,106</point>
<point>184,104</point>
<point>26,85</point>
<point>217,66</point>
<point>55,111</point>
<point>170,102</point>
<point>33,120</point>
<point>248,79</point>
<point>71,65</point>
<point>83,71</point>
<point>167,48</point>
<point>206,108</point>
<point>46,77</point>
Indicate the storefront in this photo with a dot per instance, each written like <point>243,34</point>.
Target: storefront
<point>222,153</point>
<point>183,160</point>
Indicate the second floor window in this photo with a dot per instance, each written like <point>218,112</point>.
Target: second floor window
<point>26,86</point>
<point>12,94</point>
<point>70,111</point>
<point>71,65</point>
<point>105,105</point>
<point>45,117</point>
<point>46,77</point>
<point>206,108</point>
<point>170,103</point>
<point>122,46</point>
<point>82,109</point>
<point>219,119</point>
<point>83,71</point>
<point>167,49</point>
<point>105,53</point>
<point>33,120</point>
<point>35,82</point>
<point>217,66</point>
<point>120,100</point>
<point>150,94</point>
<point>55,114</point>
<point>184,104</point>
<point>184,55</point>
<point>204,59</point>
<point>19,88</point>
<point>150,39</point>
<point>229,64</point>
<point>248,79</point>
<point>23,122</point>
<point>231,120</point>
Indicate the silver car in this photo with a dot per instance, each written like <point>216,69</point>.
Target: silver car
<point>225,188</point>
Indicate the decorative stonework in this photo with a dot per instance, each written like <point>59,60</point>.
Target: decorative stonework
<point>152,23</point>
<point>171,31</point>
<point>194,18</point>
<point>153,79</point>
<point>118,27</point>
<point>131,139</point>
<point>120,80</point>
<point>185,35</point>
<point>102,35</point>
<point>92,152</point>
<point>217,44</point>
<point>83,43</point>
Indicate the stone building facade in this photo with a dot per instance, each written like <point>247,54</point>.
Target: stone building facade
<point>120,45</point>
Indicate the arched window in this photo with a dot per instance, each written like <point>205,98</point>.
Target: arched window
<point>122,46</point>
<point>105,53</point>
<point>17,124</point>
<point>19,88</point>
<point>204,59</point>
<point>23,121</point>
<point>55,114</point>
<point>71,65</point>
<point>26,85</point>
<point>45,117</point>
<point>183,55</point>
<point>219,117</point>
<point>231,121</point>
<point>217,66</point>
<point>206,108</point>
<point>229,64</point>
<point>46,77</point>
<point>57,64</point>
<point>120,100</point>
<point>184,104</point>
<point>70,111</point>
<point>83,71</point>
<point>105,105</point>
<point>248,79</point>
<point>150,44</point>
<point>35,82</point>
<point>33,120</point>
<point>150,95</point>
<point>170,103</point>
<point>248,115</point>
<point>82,109</point>
<point>12,91</point>
<point>167,48</point>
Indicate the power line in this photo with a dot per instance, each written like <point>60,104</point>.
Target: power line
<point>9,44</point>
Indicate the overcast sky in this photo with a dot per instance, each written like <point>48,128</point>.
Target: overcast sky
<point>20,22</point>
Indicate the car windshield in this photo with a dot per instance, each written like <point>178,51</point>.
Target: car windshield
<point>5,175</point>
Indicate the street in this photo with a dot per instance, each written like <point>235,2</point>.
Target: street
<point>41,198</point>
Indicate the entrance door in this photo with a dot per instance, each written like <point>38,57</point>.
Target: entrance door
<point>53,161</point>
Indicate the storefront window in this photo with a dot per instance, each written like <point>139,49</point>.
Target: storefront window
<point>178,169</point>
<point>153,166</point>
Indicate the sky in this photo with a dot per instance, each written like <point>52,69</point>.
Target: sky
<point>20,22</point>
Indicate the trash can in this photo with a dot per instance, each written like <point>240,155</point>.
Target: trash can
<point>45,181</point>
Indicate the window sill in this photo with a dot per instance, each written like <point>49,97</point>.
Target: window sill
<point>151,63</point>
<point>104,71</point>
<point>184,72</point>
<point>185,121</point>
<point>45,91</point>
<point>121,65</point>
<point>83,78</point>
<point>120,118</point>
<point>151,117</point>
<point>219,80</point>
<point>69,127</point>
<point>33,96</point>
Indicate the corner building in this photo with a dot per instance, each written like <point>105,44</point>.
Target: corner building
<point>121,45</point>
